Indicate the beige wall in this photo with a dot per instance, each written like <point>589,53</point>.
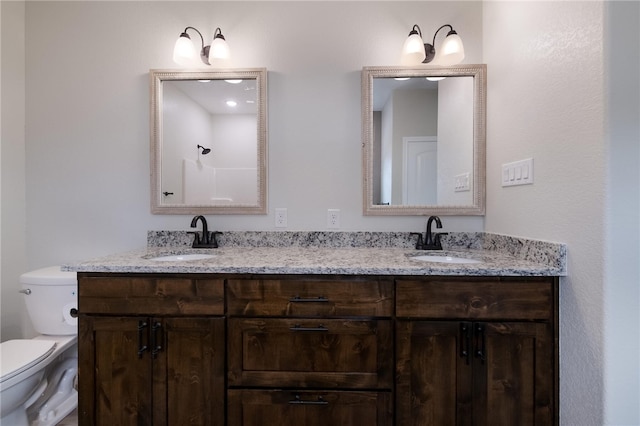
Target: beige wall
<point>13,168</point>
<point>86,167</point>
<point>549,65</point>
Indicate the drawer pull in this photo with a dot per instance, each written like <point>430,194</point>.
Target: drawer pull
<point>319,299</point>
<point>465,341</point>
<point>142,325</point>
<point>481,344</point>
<point>298,401</point>
<point>298,327</point>
<point>156,339</point>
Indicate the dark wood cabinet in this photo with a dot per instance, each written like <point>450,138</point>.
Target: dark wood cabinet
<point>254,350</point>
<point>308,408</point>
<point>161,369</point>
<point>334,336</point>
<point>455,369</point>
<point>329,353</point>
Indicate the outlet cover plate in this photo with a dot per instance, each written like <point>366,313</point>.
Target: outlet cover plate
<point>333,218</point>
<point>281,218</point>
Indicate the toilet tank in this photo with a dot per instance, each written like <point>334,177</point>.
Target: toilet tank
<point>50,294</point>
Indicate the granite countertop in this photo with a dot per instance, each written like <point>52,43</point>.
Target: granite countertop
<point>338,253</point>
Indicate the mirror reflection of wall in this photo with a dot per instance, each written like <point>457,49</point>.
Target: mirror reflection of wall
<point>196,113</point>
<point>423,139</point>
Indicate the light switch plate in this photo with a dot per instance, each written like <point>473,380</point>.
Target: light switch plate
<point>517,173</point>
<point>462,183</point>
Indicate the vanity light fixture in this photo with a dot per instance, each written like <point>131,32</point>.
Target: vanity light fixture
<point>416,51</point>
<point>205,151</point>
<point>185,53</point>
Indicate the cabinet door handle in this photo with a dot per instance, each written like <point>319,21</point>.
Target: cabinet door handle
<point>142,325</point>
<point>465,341</point>
<point>299,401</point>
<point>156,339</point>
<point>319,299</point>
<point>298,327</point>
<point>480,343</point>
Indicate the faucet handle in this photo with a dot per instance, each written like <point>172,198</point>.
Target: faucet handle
<point>436,240</point>
<point>213,242</point>
<point>419,243</point>
<point>196,237</point>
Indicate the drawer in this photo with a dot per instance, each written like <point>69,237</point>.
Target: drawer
<point>271,352</point>
<point>150,295</point>
<point>308,408</point>
<point>476,298</point>
<point>308,297</point>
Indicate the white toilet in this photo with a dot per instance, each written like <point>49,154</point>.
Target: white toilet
<point>37,377</point>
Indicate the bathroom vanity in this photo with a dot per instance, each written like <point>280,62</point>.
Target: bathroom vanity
<point>317,336</point>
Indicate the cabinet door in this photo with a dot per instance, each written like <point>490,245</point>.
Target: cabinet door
<point>513,374</point>
<point>115,378</point>
<point>434,373</point>
<point>189,372</point>
<point>309,408</point>
<point>481,374</point>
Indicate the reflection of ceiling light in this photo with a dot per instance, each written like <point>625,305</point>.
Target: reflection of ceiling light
<point>234,81</point>
<point>232,103</point>
<point>251,102</point>
<point>402,78</point>
<point>204,81</point>
<point>435,78</point>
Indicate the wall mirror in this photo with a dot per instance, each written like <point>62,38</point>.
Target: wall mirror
<point>209,141</point>
<point>423,132</point>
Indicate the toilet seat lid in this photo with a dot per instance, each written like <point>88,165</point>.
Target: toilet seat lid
<point>18,355</point>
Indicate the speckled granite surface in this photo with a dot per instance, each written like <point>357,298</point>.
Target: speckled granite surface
<point>345,253</point>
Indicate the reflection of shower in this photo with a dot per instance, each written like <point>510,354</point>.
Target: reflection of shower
<point>205,151</point>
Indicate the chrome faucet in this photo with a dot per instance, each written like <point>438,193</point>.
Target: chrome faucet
<point>431,241</point>
<point>208,239</point>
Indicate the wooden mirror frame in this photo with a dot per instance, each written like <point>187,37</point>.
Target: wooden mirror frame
<point>156,79</point>
<point>478,72</point>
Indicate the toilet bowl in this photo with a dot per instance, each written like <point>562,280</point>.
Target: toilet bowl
<point>37,376</point>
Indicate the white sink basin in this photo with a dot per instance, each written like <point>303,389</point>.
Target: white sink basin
<point>445,259</point>
<point>182,257</point>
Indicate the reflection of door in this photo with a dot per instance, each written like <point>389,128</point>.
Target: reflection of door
<point>420,158</point>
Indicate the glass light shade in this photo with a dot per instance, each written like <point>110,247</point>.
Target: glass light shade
<point>413,50</point>
<point>219,49</point>
<point>184,52</point>
<point>452,51</point>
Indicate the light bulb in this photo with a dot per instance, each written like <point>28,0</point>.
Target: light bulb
<point>413,50</point>
<point>219,49</point>
<point>184,52</point>
<point>452,51</point>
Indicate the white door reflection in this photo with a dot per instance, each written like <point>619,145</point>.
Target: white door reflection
<point>421,170</point>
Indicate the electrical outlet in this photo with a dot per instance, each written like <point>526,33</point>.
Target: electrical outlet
<point>281,218</point>
<point>333,218</point>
